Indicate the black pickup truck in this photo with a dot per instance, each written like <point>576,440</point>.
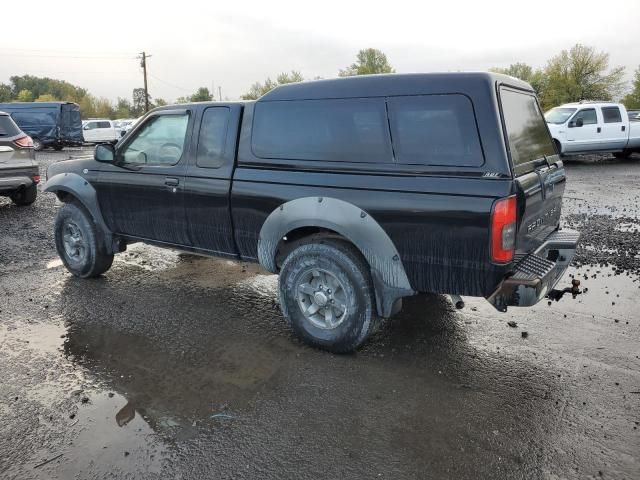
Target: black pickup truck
<point>357,191</point>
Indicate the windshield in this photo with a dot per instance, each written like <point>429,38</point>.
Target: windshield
<point>558,115</point>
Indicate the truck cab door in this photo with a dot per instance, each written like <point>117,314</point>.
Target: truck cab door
<point>614,130</point>
<point>141,195</point>
<point>208,179</point>
<point>584,132</point>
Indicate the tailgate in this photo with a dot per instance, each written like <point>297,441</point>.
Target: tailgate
<point>540,202</point>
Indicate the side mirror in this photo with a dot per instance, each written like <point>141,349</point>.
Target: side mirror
<point>105,153</point>
<point>86,127</point>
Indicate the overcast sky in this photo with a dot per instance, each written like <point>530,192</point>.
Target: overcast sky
<point>235,43</point>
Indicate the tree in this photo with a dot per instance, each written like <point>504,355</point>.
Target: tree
<point>369,61</point>
<point>46,97</point>
<point>138,102</point>
<point>580,74</point>
<point>526,73</point>
<point>202,95</point>
<point>160,102</point>
<point>632,99</point>
<point>25,95</point>
<point>5,93</point>
<point>123,108</point>
<point>258,89</point>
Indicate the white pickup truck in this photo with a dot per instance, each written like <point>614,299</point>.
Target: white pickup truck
<point>594,127</point>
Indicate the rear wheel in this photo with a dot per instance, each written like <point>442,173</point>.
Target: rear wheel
<point>326,295</point>
<point>622,154</point>
<point>37,144</point>
<point>25,196</point>
<point>79,243</point>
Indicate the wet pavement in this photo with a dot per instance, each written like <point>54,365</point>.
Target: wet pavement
<point>176,366</point>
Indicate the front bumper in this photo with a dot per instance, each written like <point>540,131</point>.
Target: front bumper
<point>535,275</point>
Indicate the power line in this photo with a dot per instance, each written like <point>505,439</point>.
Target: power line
<point>101,57</point>
<point>65,52</point>
<point>169,84</point>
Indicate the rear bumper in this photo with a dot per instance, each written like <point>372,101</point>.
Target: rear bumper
<point>15,180</point>
<point>535,275</point>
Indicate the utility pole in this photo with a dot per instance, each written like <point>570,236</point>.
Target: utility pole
<point>143,63</point>
<point>220,92</point>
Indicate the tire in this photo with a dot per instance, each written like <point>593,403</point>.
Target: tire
<point>319,265</point>
<point>622,154</point>
<point>38,146</point>
<point>25,196</point>
<point>558,147</point>
<point>57,148</point>
<point>79,243</point>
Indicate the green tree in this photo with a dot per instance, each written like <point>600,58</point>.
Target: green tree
<point>258,89</point>
<point>103,108</point>
<point>25,95</point>
<point>368,61</point>
<point>46,97</point>
<point>581,73</point>
<point>160,102</point>
<point>138,105</point>
<point>632,99</point>
<point>5,93</point>
<point>123,108</point>
<point>524,72</point>
<point>202,95</point>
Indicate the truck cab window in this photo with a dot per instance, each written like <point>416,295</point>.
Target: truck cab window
<point>588,116</point>
<point>611,115</point>
<point>213,133</point>
<point>159,142</point>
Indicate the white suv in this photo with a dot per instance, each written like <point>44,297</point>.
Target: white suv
<point>100,131</point>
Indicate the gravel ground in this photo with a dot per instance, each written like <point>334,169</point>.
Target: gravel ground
<point>175,366</point>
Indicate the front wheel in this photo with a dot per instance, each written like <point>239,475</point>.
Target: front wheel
<point>25,196</point>
<point>326,295</point>
<point>80,245</point>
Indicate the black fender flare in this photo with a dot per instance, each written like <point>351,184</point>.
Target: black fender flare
<point>389,277</point>
<point>83,191</point>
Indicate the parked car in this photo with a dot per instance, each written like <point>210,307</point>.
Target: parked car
<point>123,125</point>
<point>593,127</point>
<point>49,124</point>
<point>634,115</point>
<point>100,131</point>
<point>19,174</point>
<point>356,191</point>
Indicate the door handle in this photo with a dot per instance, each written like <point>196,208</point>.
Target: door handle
<point>599,129</point>
<point>623,127</point>
<point>171,182</point>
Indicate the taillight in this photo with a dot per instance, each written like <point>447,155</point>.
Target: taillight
<point>24,142</point>
<point>503,230</point>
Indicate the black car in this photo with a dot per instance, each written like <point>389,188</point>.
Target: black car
<point>49,124</point>
<point>357,191</point>
<point>19,173</point>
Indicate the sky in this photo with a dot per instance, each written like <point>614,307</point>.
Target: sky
<point>232,44</point>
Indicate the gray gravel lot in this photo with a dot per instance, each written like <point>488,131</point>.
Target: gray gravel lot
<point>175,366</point>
